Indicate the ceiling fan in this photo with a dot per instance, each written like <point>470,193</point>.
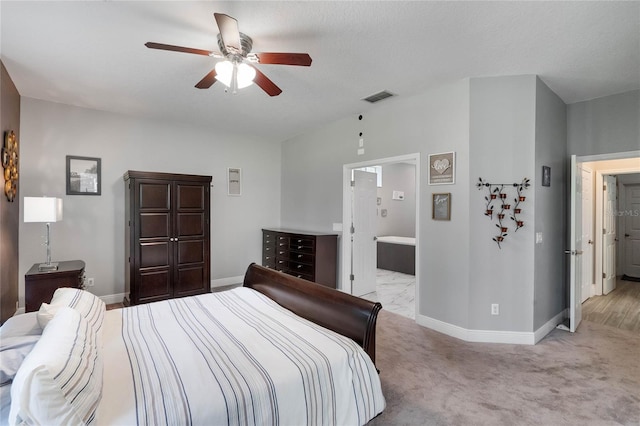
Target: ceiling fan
<point>237,70</point>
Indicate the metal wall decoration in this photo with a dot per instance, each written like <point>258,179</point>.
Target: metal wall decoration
<point>497,193</point>
<point>10,165</point>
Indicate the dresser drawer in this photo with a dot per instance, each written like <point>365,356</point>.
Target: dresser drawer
<point>268,260</point>
<point>307,258</point>
<point>300,275</point>
<point>300,268</point>
<point>301,245</point>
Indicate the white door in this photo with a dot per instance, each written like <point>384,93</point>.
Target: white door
<point>575,246</point>
<point>587,234</point>
<point>610,207</point>
<point>363,233</point>
<point>631,213</point>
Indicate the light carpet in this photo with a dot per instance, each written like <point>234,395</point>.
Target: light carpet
<point>591,377</point>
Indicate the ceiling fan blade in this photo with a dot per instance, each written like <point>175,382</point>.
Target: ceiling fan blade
<point>229,32</point>
<point>302,59</point>
<point>266,84</point>
<point>207,81</point>
<point>152,45</point>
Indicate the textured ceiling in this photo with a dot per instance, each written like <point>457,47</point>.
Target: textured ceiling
<point>92,54</point>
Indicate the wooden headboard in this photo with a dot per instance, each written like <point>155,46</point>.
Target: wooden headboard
<point>343,313</point>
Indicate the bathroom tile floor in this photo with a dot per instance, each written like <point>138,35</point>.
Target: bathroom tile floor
<point>395,291</point>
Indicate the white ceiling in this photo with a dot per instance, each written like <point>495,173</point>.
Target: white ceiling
<point>92,54</point>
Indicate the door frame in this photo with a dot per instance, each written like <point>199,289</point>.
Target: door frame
<point>344,283</point>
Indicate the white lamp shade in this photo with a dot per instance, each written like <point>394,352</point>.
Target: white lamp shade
<point>42,209</point>
<point>244,74</point>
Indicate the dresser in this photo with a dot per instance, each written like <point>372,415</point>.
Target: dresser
<point>167,244</point>
<point>308,255</point>
<point>39,286</point>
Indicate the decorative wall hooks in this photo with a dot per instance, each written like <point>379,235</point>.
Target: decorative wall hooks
<point>497,193</point>
<point>10,164</point>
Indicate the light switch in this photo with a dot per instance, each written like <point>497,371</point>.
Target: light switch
<point>538,237</point>
<point>360,151</point>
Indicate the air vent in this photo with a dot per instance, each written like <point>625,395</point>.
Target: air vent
<point>377,97</point>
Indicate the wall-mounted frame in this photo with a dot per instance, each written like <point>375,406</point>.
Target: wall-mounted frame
<point>234,181</point>
<point>441,206</point>
<point>442,168</point>
<point>546,176</point>
<point>83,175</point>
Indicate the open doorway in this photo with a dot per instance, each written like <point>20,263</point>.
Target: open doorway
<point>380,241</point>
<point>608,234</point>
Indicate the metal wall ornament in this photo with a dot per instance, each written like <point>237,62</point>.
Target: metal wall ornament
<point>497,192</point>
<point>10,164</point>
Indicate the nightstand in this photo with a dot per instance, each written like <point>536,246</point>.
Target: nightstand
<point>39,286</point>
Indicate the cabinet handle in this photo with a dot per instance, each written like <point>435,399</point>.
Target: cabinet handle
<point>280,252</point>
<point>299,256</point>
<point>281,244</point>
<point>267,249</point>
<point>267,241</point>
<point>299,247</point>
<point>299,266</point>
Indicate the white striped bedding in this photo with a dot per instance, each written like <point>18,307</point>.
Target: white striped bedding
<point>231,358</point>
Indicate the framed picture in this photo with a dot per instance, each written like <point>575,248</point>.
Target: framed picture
<point>83,175</point>
<point>234,179</point>
<point>442,168</point>
<point>441,206</point>
<point>546,176</point>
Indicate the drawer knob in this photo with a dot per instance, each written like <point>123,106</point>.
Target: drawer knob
<point>299,266</point>
<point>299,247</point>
<point>299,256</point>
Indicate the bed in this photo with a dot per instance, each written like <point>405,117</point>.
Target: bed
<point>278,350</point>
<point>397,254</point>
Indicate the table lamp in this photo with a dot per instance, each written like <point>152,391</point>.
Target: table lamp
<point>44,210</point>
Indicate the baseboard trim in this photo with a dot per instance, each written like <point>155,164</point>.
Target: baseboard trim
<point>221,282</point>
<point>549,326</point>
<point>110,299</point>
<point>490,336</point>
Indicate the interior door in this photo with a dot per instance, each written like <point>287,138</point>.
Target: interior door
<point>575,246</point>
<point>631,265</point>
<point>363,233</point>
<point>610,207</point>
<point>587,234</point>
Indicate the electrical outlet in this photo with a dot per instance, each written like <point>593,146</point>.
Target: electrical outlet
<point>495,309</point>
<point>90,282</point>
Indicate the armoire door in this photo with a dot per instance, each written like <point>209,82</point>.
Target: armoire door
<point>154,245</point>
<point>191,238</point>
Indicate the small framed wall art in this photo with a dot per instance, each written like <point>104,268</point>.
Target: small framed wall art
<point>441,206</point>
<point>442,168</point>
<point>83,175</point>
<point>234,179</point>
<point>546,176</point>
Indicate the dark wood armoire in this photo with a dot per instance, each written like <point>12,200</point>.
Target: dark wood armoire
<point>167,248</point>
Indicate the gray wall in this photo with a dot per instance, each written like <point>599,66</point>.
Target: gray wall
<point>502,149</point>
<point>401,214</point>
<point>492,124</point>
<point>604,125</point>
<point>432,122</point>
<point>93,227</point>
<point>550,206</point>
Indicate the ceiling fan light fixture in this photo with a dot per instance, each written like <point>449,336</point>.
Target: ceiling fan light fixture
<point>226,71</point>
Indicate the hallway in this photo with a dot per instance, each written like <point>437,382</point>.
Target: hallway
<point>619,309</point>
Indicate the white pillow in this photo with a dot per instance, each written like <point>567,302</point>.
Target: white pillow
<point>21,325</point>
<point>91,307</point>
<point>60,381</point>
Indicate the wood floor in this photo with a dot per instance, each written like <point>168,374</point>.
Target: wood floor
<point>620,308</point>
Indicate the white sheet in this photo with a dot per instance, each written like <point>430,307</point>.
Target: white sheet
<point>233,357</point>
